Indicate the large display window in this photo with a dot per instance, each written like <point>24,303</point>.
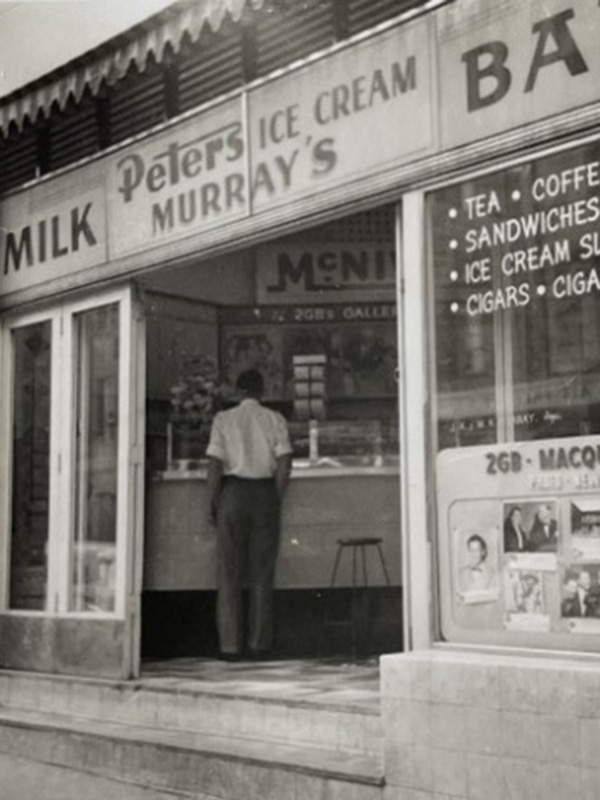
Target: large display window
<point>515,305</point>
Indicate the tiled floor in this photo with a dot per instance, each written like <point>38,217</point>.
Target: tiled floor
<point>326,682</point>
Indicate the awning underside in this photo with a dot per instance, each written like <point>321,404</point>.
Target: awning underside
<point>88,72</point>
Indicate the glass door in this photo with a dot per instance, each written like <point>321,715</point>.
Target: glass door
<point>96,429</point>
<point>71,522</point>
<point>29,444</point>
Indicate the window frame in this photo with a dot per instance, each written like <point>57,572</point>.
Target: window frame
<point>425,611</point>
<point>62,443</point>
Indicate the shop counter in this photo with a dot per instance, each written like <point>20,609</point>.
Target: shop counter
<point>323,504</point>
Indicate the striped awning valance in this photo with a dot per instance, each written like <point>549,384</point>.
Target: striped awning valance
<point>110,61</point>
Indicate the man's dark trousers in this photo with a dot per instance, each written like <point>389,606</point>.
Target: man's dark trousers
<point>248,542</point>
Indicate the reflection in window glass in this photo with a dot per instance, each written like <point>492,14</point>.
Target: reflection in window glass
<point>30,467</point>
<point>96,437</point>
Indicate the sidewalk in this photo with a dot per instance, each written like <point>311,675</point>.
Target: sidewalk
<point>21,779</point>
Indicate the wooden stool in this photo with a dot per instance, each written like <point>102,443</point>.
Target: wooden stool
<point>355,544</point>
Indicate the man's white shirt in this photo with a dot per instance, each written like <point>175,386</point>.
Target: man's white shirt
<point>249,439</point>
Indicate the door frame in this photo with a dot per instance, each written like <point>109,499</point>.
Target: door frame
<point>120,627</point>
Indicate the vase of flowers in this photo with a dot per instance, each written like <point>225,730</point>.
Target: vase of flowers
<point>195,399</point>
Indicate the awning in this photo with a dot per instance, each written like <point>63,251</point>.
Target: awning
<point>110,61</point>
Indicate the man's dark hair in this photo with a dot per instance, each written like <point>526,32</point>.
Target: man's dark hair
<point>480,541</point>
<point>250,382</point>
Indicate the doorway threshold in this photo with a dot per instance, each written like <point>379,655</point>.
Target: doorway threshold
<point>332,682</point>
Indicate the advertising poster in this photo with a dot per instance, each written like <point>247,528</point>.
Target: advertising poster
<point>519,528</point>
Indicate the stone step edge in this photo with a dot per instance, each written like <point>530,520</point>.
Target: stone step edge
<point>138,685</point>
<point>321,762</point>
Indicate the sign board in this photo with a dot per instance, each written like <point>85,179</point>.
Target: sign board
<point>179,182</point>
<point>506,64</point>
<point>351,115</point>
<point>327,273</point>
<point>53,230</point>
<point>359,111</point>
<point>519,529</point>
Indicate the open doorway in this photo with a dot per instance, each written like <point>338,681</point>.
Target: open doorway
<point>321,302</point>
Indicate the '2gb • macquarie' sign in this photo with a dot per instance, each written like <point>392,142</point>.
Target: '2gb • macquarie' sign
<point>504,64</point>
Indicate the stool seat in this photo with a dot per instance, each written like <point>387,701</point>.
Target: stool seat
<point>355,543</point>
<point>364,542</point>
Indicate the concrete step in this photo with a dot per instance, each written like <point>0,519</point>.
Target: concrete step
<point>348,724</point>
<point>231,768</point>
<point>23,779</point>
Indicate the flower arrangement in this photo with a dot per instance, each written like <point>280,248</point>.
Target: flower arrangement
<point>197,396</point>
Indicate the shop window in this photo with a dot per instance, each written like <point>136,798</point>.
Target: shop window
<point>30,467</point>
<point>96,426</point>
<point>516,311</point>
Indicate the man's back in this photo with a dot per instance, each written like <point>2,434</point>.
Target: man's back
<point>248,439</point>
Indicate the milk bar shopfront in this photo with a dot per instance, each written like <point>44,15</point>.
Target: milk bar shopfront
<point>259,231</point>
<point>409,250</point>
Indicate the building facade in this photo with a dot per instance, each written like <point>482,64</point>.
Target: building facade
<point>401,230</point>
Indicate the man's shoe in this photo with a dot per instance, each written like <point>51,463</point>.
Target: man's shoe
<point>260,655</point>
<point>230,657</point>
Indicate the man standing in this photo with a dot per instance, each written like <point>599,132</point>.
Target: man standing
<point>249,467</point>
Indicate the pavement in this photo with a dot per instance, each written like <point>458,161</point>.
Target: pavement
<point>21,779</point>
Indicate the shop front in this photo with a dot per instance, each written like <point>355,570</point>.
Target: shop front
<point>402,235</point>
<point>259,231</point>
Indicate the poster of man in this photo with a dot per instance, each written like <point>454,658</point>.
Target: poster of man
<point>478,571</point>
<point>581,592</point>
<point>543,534</point>
<point>525,594</point>
<point>516,538</point>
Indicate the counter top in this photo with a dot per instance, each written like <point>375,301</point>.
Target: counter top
<point>327,469</point>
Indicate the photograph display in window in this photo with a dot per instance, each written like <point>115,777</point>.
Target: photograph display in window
<point>519,558</point>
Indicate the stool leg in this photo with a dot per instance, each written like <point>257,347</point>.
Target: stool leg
<point>353,618</point>
<point>382,559</point>
<point>364,564</point>
<point>336,565</point>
